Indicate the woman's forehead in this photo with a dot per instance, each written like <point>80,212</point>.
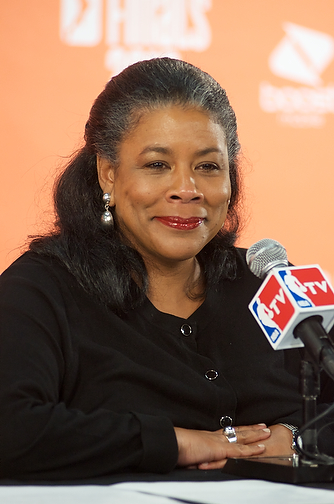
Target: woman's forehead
<point>143,115</point>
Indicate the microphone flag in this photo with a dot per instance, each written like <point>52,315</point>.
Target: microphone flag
<point>289,295</point>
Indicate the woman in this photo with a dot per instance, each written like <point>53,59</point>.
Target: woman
<point>126,341</point>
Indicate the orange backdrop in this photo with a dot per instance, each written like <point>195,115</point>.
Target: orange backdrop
<point>275,59</point>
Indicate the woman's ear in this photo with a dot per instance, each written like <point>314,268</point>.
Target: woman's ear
<point>105,173</point>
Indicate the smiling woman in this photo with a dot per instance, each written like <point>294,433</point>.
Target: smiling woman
<point>170,193</point>
<point>126,340</point>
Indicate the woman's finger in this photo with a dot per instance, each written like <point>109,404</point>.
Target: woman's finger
<point>236,451</point>
<point>252,436</point>
<point>246,436</point>
<point>240,428</point>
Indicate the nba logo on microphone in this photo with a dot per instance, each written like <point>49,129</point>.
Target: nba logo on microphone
<point>286,297</point>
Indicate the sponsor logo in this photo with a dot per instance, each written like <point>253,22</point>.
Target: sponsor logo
<point>301,57</point>
<point>134,30</point>
<point>273,309</point>
<point>308,287</point>
<point>81,22</point>
<point>287,297</point>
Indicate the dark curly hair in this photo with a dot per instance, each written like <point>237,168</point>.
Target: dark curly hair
<point>100,259</point>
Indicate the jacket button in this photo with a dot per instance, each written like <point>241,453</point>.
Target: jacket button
<point>186,330</point>
<point>211,374</point>
<point>225,421</point>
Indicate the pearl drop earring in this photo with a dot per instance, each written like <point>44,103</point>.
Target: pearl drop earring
<point>107,218</point>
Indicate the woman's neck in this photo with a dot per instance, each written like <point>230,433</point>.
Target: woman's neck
<point>176,289</point>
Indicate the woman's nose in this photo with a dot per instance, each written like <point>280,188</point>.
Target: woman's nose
<point>184,187</point>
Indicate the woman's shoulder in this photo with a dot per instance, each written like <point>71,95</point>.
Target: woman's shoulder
<point>241,263</point>
<point>32,270</point>
<point>244,279</point>
<point>31,263</point>
<point>241,254</point>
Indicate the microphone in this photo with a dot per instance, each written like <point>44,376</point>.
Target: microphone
<point>295,304</point>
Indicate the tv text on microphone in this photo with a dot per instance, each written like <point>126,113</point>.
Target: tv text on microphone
<point>295,305</point>
<point>288,296</point>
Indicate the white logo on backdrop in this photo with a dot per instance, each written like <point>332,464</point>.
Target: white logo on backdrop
<point>81,22</point>
<point>136,29</point>
<point>301,56</point>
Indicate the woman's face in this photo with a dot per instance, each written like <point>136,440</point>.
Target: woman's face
<point>171,187</point>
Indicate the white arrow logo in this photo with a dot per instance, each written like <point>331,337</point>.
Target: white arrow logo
<point>302,55</point>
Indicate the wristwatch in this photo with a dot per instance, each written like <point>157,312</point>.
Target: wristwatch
<point>296,439</point>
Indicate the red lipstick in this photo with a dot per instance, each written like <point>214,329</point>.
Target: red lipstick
<point>180,223</point>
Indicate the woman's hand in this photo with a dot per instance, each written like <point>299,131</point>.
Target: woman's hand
<point>210,450</point>
<point>279,443</point>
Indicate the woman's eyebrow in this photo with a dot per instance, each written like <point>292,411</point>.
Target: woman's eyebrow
<point>209,150</point>
<point>166,150</point>
<point>156,148</point>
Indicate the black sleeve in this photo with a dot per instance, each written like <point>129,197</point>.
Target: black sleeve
<point>40,437</point>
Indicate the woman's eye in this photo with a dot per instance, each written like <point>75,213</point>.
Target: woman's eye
<point>208,167</point>
<point>157,165</point>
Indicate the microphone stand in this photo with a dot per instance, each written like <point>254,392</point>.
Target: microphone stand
<point>310,390</point>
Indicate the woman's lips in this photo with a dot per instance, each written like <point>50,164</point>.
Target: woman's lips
<point>180,223</point>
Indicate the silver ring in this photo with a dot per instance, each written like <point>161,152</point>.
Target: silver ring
<point>230,434</point>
